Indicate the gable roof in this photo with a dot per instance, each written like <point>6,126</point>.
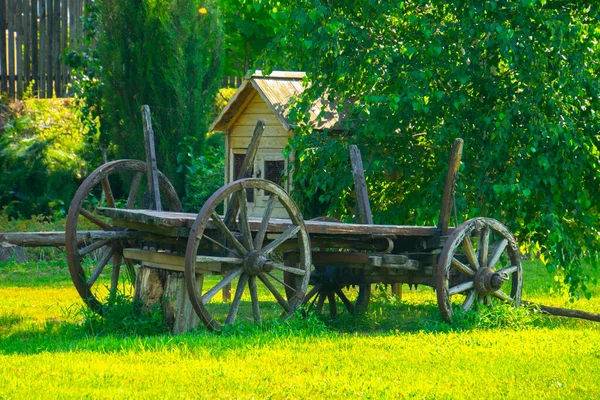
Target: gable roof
<point>278,90</point>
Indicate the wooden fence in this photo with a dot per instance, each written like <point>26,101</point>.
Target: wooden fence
<point>33,36</point>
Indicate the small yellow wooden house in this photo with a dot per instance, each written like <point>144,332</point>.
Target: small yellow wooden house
<point>266,97</point>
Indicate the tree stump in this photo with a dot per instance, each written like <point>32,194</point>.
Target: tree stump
<point>155,286</point>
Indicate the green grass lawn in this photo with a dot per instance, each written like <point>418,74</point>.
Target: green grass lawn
<point>49,348</point>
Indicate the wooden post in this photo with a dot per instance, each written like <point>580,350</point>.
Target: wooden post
<point>450,187</point>
<point>3,43</point>
<point>360,186</point>
<point>362,199</point>
<point>245,172</point>
<point>151,167</point>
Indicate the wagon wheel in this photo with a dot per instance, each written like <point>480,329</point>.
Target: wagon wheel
<point>329,287</point>
<point>244,258</point>
<point>90,265</point>
<point>478,263</point>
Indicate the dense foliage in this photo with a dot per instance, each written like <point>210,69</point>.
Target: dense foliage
<point>249,28</point>
<point>42,157</point>
<point>518,80</point>
<point>165,54</point>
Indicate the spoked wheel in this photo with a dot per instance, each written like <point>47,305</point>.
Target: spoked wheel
<point>480,264</point>
<point>330,286</point>
<point>248,256</point>
<point>96,265</point>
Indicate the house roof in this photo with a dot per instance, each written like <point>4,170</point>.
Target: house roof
<point>278,90</point>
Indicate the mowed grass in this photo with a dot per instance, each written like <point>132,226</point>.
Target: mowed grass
<point>49,348</point>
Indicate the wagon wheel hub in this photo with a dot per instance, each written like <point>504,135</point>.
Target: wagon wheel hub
<point>255,263</point>
<point>487,280</point>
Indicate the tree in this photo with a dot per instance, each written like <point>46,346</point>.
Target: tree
<point>518,80</point>
<point>166,54</point>
<point>249,28</point>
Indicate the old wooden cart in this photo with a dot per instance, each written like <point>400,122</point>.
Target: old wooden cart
<point>282,262</point>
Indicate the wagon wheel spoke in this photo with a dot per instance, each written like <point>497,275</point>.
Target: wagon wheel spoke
<point>503,296</point>
<point>332,305</point>
<point>287,234</point>
<point>100,267</point>
<point>282,302</point>
<point>508,270</point>
<point>469,301</point>
<point>92,247</point>
<point>95,220</point>
<point>133,190</point>
<point>241,250</point>
<point>234,273</point>
<point>459,266</point>
<point>347,303</point>
<point>254,297</point>
<point>499,249</point>
<point>312,292</point>
<point>237,298</point>
<point>470,253</point>
<point>321,302</point>
<point>108,193</point>
<point>114,279</point>
<point>461,288</point>
<point>282,282</point>
<point>244,222</point>
<point>285,268</point>
<point>262,230</point>
<point>205,236</point>
<point>483,246</point>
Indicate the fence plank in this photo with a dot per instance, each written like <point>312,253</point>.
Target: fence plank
<point>50,49</point>
<point>3,43</point>
<point>11,48</point>
<point>43,41</point>
<point>26,10</point>
<point>34,45</point>
<point>56,47</point>
<point>64,81</point>
<point>19,47</point>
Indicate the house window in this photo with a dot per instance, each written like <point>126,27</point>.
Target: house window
<point>238,159</point>
<point>274,170</point>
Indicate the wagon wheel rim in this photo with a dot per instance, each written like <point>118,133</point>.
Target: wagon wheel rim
<point>478,262</point>
<point>250,260</point>
<point>88,282</point>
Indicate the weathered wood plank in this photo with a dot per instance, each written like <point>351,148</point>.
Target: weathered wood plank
<point>276,143</point>
<point>245,170</point>
<point>43,39</point>
<point>50,49</point>
<point>259,107</point>
<point>34,44</point>
<point>3,49</point>
<point>12,11</point>
<point>276,225</point>
<point>250,120</point>
<point>152,168</point>
<point>19,47</point>
<point>27,11</point>
<point>248,130</point>
<point>40,239</point>
<point>360,186</point>
<point>204,263</point>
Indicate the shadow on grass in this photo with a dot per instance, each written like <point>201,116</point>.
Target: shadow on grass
<point>123,329</point>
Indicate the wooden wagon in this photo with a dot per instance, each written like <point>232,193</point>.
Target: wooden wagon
<point>275,262</point>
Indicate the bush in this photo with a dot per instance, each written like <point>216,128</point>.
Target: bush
<point>42,157</point>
